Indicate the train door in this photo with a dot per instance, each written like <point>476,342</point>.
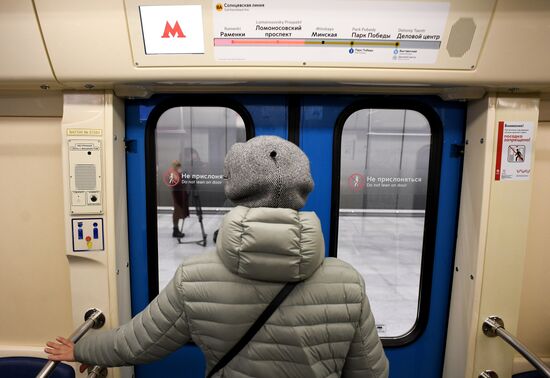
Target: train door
<point>387,178</point>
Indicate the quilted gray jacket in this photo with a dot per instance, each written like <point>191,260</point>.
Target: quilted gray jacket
<point>324,328</point>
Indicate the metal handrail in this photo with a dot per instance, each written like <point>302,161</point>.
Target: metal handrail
<point>94,318</point>
<point>97,372</point>
<point>494,326</point>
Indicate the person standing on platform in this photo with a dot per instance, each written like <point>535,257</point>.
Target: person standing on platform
<point>180,199</point>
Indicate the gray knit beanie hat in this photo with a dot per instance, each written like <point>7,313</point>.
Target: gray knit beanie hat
<point>267,171</point>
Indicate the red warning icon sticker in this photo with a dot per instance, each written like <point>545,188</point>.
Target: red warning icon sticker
<point>356,182</point>
<point>171,177</point>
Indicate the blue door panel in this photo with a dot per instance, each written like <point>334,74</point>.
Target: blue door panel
<point>137,218</point>
<point>319,114</point>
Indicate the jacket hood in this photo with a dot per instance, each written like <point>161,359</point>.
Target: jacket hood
<point>271,244</point>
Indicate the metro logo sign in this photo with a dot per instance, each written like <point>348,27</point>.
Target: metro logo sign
<point>172,29</point>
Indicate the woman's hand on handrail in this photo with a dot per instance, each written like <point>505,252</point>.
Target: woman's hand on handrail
<point>63,350</point>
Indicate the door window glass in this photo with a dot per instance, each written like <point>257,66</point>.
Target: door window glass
<point>384,165</point>
<point>191,144</point>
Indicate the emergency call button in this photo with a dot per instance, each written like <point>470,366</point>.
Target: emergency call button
<point>85,175</point>
<point>94,198</point>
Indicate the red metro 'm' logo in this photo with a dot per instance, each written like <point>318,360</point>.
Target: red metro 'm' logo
<point>174,31</point>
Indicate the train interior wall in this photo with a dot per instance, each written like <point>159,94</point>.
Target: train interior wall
<point>35,280</point>
<point>534,310</point>
<point>34,272</point>
<point>89,50</point>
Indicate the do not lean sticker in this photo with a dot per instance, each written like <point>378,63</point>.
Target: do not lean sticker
<point>356,182</point>
<point>514,150</point>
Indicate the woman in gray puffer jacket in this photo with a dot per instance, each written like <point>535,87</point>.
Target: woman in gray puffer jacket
<point>324,328</point>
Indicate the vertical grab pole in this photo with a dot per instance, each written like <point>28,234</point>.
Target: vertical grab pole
<point>94,318</point>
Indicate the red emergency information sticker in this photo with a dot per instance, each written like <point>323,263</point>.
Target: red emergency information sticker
<point>514,150</point>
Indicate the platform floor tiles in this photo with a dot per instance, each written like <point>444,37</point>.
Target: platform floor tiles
<point>386,250</point>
